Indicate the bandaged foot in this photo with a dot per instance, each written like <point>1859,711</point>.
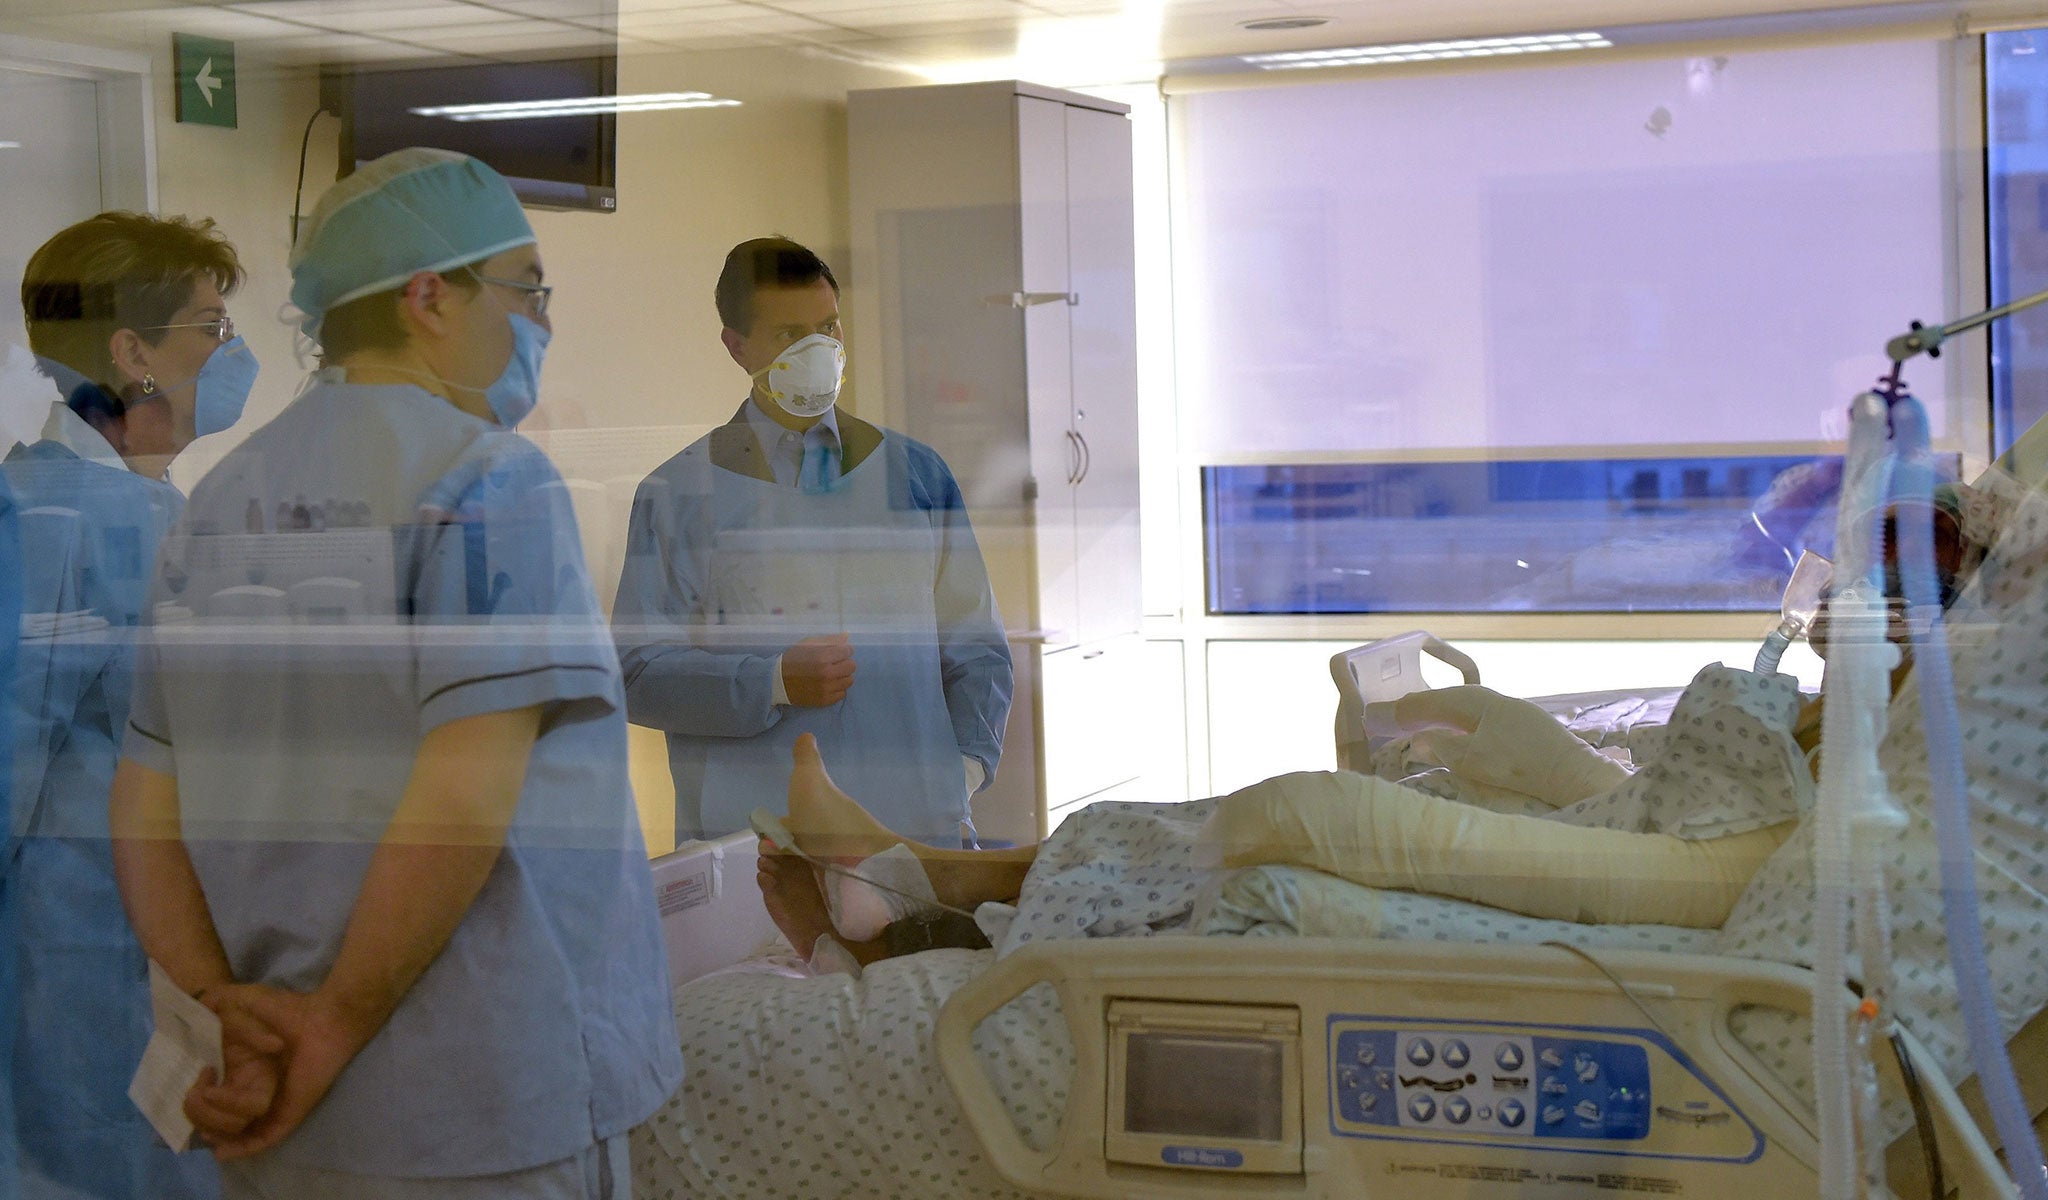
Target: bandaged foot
<point>861,910</point>
<point>826,823</point>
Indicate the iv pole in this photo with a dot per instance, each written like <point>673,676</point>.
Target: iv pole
<point>1927,339</point>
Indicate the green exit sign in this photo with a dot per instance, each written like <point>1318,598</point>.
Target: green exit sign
<point>205,68</point>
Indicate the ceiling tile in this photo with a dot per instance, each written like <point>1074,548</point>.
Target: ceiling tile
<point>535,38</point>
<point>207,22</point>
<point>340,48</point>
<point>580,11</point>
<point>909,19</point>
<point>728,8</point>
<point>448,18</point>
<point>323,12</point>
<point>920,8</point>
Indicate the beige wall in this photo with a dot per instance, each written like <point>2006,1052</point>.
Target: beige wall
<point>637,338</point>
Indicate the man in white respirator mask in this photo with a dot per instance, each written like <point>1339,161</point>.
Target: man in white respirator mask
<point>800,570</point>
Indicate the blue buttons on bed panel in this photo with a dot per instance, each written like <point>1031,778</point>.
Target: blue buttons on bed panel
<point>1363,1078</point>
<point>1481,1082</point>
<point>1592,1089</point>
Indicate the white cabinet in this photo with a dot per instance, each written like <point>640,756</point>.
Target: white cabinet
<point>992,314</point>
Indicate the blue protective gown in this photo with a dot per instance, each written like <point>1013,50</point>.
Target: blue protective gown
<point>90,529</point>
<point>10,996</point>
<point>726,569</point>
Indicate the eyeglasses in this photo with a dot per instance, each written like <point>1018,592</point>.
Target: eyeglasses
<point>222,328</point>
<point>537,294</point>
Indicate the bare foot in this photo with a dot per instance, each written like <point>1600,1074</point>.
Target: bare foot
<point>827,822</point>
<point>789,891</point>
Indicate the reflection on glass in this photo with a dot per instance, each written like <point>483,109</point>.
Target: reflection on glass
<point>1557,338</point>
<point>1577,535</point>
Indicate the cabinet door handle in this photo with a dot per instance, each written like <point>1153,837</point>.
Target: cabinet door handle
<point>1032,299</point>
<point>1073,456</point>
<point>1087,457</point>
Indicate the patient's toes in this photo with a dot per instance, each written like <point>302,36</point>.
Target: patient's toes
<point>789,891</point>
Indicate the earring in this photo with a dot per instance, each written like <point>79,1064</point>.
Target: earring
<point>148,384</point>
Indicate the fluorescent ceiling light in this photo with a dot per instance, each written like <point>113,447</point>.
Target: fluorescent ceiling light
<point>10,145</point>
<point>1352,56</point>
<point>578,106</point>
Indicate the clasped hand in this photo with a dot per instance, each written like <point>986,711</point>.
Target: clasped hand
<point>818,672</point>
<point>281,1051</point>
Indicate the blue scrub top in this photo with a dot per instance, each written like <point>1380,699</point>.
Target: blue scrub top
<point>89,531</point>
<point>726,568</point>
<point>369,566</point>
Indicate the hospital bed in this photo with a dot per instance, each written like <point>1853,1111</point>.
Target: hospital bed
<point>1322,1068</point>
<point>1298,1066</point>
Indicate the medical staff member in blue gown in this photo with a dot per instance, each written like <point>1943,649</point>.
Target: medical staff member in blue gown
<point>374,788</point>
<point>800,570</point>
<point>127,314</point>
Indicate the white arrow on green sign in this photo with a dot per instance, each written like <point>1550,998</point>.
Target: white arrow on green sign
<point>205,69</point>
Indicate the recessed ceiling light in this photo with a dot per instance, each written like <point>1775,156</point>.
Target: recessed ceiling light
<point>1352,56</point>
<point>1277,24</point>
<point>582,106</point>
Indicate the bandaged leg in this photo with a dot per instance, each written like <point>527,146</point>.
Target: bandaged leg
<point>1501,742</point>
<point>827,823</point>
<point>1383,835</point>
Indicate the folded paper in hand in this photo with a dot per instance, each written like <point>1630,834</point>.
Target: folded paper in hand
<point>186,1042</point>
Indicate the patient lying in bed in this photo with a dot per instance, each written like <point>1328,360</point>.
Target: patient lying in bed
<point>1490,800</point>
<point>1671,844</point>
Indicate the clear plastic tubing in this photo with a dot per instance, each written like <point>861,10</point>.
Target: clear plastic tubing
<point>1962,923</point>
<point>1856,692</point>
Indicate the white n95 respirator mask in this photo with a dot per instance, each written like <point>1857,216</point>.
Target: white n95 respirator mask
<point>804,380</point>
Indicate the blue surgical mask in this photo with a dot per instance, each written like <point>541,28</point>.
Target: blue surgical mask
<point>518,389</point>
<point>222,387</point>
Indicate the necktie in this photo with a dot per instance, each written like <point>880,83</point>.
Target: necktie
<point>820,468</point>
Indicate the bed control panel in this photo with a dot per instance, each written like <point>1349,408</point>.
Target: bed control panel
<point>1517,1085</point>
<point>1503,1084</point>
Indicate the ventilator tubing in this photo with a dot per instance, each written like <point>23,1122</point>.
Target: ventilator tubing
<point>1965,928</point>
<point>1857,688</point>
<point>1776,642</point>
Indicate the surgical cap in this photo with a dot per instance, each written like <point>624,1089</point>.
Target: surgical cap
<point>410,211</point>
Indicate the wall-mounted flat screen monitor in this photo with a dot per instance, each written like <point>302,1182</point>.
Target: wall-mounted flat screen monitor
<point>557,161</point>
